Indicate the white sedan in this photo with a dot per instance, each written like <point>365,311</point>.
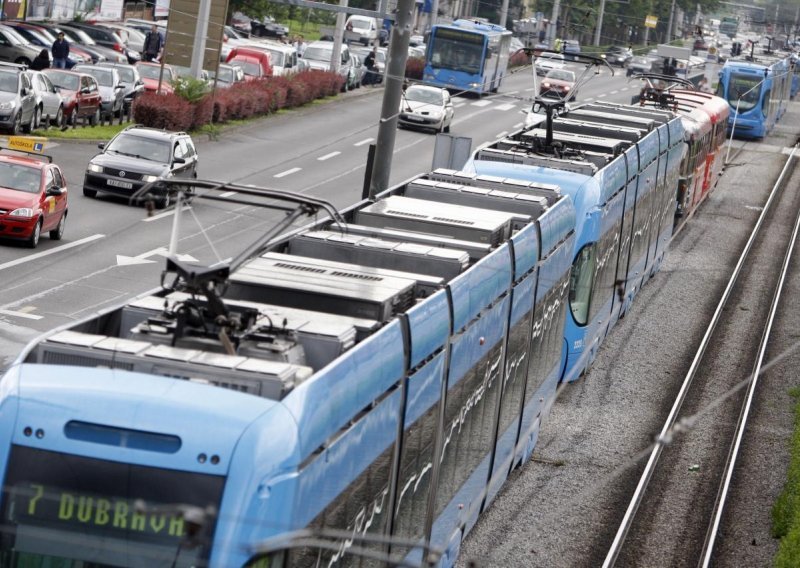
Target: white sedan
<point>426,107</point>
<point>547,62</point>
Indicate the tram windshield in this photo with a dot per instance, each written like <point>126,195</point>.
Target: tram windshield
<point>74,512</point>
<point>457,50</point>
<point>744,91</point>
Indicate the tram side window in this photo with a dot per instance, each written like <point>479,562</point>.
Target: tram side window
<point>580,285</point>
<point>766,102</point>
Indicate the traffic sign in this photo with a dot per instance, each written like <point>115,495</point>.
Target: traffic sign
<point>651,21</point>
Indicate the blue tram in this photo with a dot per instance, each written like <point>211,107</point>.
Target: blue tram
<point>758,94</point>
<point>620,166</point>
<point>378,376</point>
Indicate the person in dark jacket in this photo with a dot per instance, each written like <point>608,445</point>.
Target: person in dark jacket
<point>60,51</point>
<point>152,44</point>
<point>371,78</point>
<point>41,61</point>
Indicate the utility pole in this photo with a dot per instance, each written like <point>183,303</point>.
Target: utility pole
<point>671,18</point>
<point>199,47</point>
<point>552,29</point>
<point>392,94</point>
<point>503,13</point>
<point>599,26</point>
<point>336,56</point>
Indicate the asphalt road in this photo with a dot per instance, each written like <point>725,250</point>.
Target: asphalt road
<point>112,251</point>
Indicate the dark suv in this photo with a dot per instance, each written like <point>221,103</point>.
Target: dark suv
<point>137,156</point>
<point>618,55</point>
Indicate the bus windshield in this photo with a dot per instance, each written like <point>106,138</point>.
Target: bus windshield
<point>744,87</point>
<point>75,512</point>
<point>457,50</point>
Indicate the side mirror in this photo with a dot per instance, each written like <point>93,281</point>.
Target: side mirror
<point>54,190</point>
<point>119,87</point>
<point>85,91</point>
<point>101,145</point>
<point>177,160</point>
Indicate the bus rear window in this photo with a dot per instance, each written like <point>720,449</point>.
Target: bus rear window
<point>74,512</point>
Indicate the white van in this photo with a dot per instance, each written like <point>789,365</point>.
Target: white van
<point>283,58</point>
<point>362,29</point>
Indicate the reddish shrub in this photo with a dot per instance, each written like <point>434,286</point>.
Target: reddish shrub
<point>518,59</point>
<point>164,111</point>
<point>414,67</point>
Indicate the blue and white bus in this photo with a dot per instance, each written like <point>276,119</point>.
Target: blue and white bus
<point>467,56</point>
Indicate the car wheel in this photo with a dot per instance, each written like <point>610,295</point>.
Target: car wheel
<point>95,120</point>
<point>23,61</point>
<point>33,240</point>
<point>59,116</point>
<point>37,117</point>
<point>17,125</point>
<point>89,192</point>
<point>163,202</point>
<point>58,232</point>
<point>73,116</point>
<point>446,128</point>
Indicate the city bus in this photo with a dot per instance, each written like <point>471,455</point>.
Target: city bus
<point>467,56</point>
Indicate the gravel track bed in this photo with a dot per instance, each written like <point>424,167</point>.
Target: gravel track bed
<point>563,507</point>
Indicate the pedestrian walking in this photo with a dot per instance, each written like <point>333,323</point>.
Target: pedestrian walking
<point>41,61</point>
<point>152,44</point>
<point>60,51</point>
<point>371,77</point>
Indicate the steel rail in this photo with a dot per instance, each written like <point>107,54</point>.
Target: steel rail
<point>719,506</point>
<point>665,435</point>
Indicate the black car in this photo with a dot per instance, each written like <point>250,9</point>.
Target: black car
<point>105,37</point>
<point>138,156</point>
<point>268,28</point>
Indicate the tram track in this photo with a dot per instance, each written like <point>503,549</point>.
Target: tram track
<point>674,515</point>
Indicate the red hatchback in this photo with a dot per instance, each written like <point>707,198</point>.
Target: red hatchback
<point>80,92</point>
<point>150,73</point>
<point>33,199</point>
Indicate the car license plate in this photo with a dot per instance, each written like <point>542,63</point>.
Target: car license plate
<point>122,184</point>
<point>415,118</point>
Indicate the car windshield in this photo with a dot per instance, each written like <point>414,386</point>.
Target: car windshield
<point>252,69</point>
<point>20,178</point>
<point>82,37</point>
<point>140,147</point>
<point>225,74</point>
<point>13,37</point>
<point>8,82</point>
<point>153,72</point>
<point>275,58</point>
<point>232,33</point>
<point>640,60</point>
<point>560,75</point>
<point>744,87</point>
<point>318,53</point>
<point>64,80</point>
<point>126,74</point>
<point>105,78</point>
<point>360,24</point>
<point>424,96</point>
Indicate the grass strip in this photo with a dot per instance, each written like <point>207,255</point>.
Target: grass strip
<point>786,510</point>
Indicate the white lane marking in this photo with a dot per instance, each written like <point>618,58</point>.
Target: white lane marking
<point>365,141</point>
<point>614,92</point>
<point>503,133</point>
<point>531,89</point>
<point>624,88</point>
<point>287,172</point>
<point>328,156</point>
<point>482,103</point>
<point>511,93</point>
<point>20,315</point>
<point>590,99</point>
<point>44,253</point>
<point>518,125</point>
<point>227,194</point>
<point>162,215</point>
<point>506,106</point>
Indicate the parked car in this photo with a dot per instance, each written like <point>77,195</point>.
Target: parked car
<point>138,156</point>
<point>380,60</point>
<point>132,37</point>
<point>558,83</point>
<point>283,58</point>
<point>268,27</point>
<point>112,91</point>
<point>254,62</point>
<point>17,100</point>
<point>547,61</point>
<point>108,38</point>
<point>186,73</point>
<point>639,64</point>
<point>426,107</point>
<point>49,102</point>
<point>618,55</point>
<point>227,75</point>
<point>231,38</point>
<point>41,38</point>
<point>318,56</point>
<point>151,73</point>
<point>80,94</point>
<point>16,49</point>
<point>131,81</point>
<point>33,199</point>
<point>363,29</point>
<point>78,37</point>
<point>241,22</point>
